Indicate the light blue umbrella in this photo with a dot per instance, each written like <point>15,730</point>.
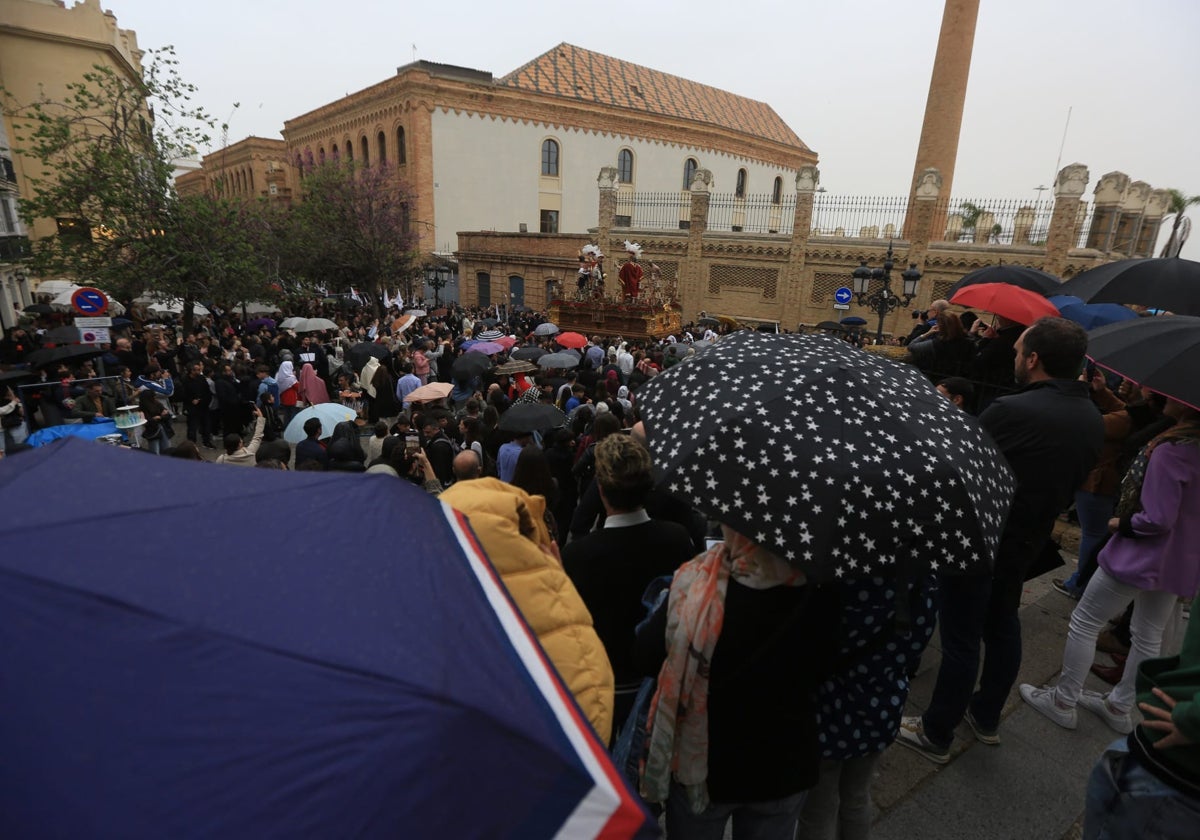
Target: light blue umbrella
<point>330,414</point>
<point>1091,315</point>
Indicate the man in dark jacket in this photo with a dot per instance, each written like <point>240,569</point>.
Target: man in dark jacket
<point>311,449</point>
<point>196,397</point>
<point>1051,434</point>
<point>231,403</point>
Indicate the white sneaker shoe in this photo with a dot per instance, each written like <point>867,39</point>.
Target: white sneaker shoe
<point>1045,700</point>
<point>1098,703</point>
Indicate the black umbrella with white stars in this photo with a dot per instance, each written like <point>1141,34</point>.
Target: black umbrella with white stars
<point>840,461</point>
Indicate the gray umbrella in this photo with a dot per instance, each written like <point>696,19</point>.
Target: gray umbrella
<point>546,329</point>
<point>560,361</point>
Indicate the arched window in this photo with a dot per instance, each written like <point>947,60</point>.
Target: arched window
<point>321,154</point>
<point>740,190</point>
<point>625,166</point>
<point>349,150</point>
<point>381,144</point>
<point>366,152</point>
<point>550,158</point>
<point>334,151</point>
<point>401,151</point>
<point>777,191</point>
<point>251,182</point>
<point>689,170</point>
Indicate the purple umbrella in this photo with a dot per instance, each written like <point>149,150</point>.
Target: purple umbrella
<point>487,348</point>
<point>260,323</point>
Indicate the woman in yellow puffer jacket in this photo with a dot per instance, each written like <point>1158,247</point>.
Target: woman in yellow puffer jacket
<point>511,527</point>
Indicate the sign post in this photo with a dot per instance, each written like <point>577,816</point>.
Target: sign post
<point>89,301</point>
<point>842,298</point>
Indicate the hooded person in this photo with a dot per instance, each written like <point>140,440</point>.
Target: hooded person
<point>511,527</point>
<point>345,450</point>
<point>289,390</point>
<point>311,388</point>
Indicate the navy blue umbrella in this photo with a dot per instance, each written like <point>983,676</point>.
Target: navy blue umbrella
<point>211,659</point>
<point>854,321</point>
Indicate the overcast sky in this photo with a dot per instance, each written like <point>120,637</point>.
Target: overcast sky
<point>849,77</point>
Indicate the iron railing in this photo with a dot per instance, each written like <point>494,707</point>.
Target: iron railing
<point>758,214</point>
<point>861,216</point>
<point>1015,221</point>
<point>653,210</point>
<point>13,248</point>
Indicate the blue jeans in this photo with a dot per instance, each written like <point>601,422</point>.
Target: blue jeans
<point>1094,512</point>
<point>840,805</point>
<point>975,609</point>
<point>773,820</point>
<point>1126,802</point>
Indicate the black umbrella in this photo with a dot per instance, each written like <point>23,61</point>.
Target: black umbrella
<point>840,461</point>
<point>359,353</point>
<point>1011,275</point>
<point>1167,283</point>
<point>531,417</point>
<point>54,355</point>
<point>1162,354</point>
<point>39,308</point>
<point>528,354</point>
<point>14,375</point>
<point>490,322</point>
<point>708,322</point>
<point>469,365</point>
<point>62,335</point>
<point>831,325</point>
<point>854,321</point>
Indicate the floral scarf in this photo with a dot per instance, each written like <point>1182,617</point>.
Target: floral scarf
<point>678,717</point>
<point>1131,485</point>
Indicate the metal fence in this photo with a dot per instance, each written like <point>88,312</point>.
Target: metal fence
<point>862,216</point>
<point>758,214</point>
<point>1013,221</point>
<point>653,210</point>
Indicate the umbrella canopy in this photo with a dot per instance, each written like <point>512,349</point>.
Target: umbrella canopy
<point>290,323</point>
<point>487,348</point>
<point>469,365</point>
<point>258,307</point>
<point>292,691</point>
<point>561,361</point>
<point>359,353</point>
<point>545,329</point>
<point>330,414</point>
<point>1023,277</point>
<point>16,375</point>
<point>854,321</point>
<point>62,335</point>
<point>506,341</point>
<point>1012,302</point>
<point>305,325</point>
<point>54,288</point>
<point>39,309</point>
<point>1162,354</point>
<point>529,354</point>
<point>432,392</point>
<point>842,462</point>
<point>416,313</point>
<point>1171,283</point>
<point>402,323</point>
<point>531,417</point>
<point>571,339</point>
<point>169,307</point>
<point>489,322</point>
<point>831,325</point>
<point>54,355</point>
<point>515,366</point>
<point>708,322</point>
<point>489,335</point>
<point>260,324</point>
<point>1091,315</point>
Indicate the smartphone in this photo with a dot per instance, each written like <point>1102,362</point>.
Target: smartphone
<point>412,444</point>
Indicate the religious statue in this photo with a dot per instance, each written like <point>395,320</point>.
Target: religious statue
<point>631,272</point>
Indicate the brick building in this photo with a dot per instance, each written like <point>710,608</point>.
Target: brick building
<point>256,167</point>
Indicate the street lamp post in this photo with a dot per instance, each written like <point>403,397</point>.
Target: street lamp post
<point>436,277</point>
<point>885,300</point>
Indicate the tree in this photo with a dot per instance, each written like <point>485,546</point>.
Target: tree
<point>1179,204</point>
<point>107,152</point>
<point>352,229</point>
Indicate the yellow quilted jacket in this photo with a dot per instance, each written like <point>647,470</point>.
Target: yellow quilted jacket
<point>511,527</point>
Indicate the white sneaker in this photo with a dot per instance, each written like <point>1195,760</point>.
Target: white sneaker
<point>1045,700</point>
<point>1098,703</point>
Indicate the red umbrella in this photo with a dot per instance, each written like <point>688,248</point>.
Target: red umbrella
<point>1012,302</point>
<point>507,340</point>
<point>570,339</point>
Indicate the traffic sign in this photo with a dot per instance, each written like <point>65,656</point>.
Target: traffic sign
<point>841,306</point>
<point>103,321</point>
<point>89,301</point>
<point>842,296</point>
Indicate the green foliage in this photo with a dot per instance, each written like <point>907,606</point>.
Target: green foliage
<point>1179,204</point>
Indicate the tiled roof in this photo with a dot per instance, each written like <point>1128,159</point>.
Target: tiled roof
<point>580,74</point>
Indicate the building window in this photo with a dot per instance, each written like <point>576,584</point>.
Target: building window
<point>321,155</point>
<point>349,150</point>
<point>550,158</point>
<point>366,152</point>
<point>625,166</point>
<point>334,151</point>
<point>777,191</point>
<point>689,170</point>
<point>401,151</point>
<point>483,286</point>
<point>549,221</point>
<point>381,144</point>
<point>740,190</point>
<point>10,222</point>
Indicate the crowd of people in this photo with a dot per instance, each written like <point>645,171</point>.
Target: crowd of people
<point>676,633</point>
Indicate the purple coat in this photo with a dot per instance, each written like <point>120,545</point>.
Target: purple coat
<point>1164,555</point>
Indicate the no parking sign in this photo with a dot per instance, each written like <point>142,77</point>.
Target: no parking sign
<point>87,300</point>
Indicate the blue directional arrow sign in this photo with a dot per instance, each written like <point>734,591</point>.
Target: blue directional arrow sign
<point>842,295</point>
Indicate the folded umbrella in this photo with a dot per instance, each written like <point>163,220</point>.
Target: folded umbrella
<point>469,365</point>
<point>297,690</point>
<point>1091,315</point>
<point>558,361</point>
<point>570,339</point>
<point>531,417</point>
<point>1021,276</point>
<point>842,462</point>
<point>1012,302</point>
<point>330,414</point>
<point>545,329</point>
<point>432,392</point>
<point>529,354</point>
<point>1160,353</point>
<point>1171,283</point>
